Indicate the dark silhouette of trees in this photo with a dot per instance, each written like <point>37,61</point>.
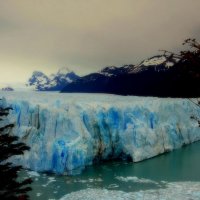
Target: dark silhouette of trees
<point>10,187</point>
<point>189,61</point>
<point>181,79</point>
<point>192,54</point>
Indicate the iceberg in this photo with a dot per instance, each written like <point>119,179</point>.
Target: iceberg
<point>67,132</point>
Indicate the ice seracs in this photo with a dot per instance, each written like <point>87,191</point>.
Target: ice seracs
<point>67,132</point>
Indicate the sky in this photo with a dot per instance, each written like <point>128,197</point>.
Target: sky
<point>88,35</point>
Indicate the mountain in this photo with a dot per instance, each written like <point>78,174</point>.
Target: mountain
<point>7,89</point>
<point>156,76</point>
<point>38,80</point>
<point>115,71</point>
<point>16,86</point>
<point>97,82</point>
<point>55,82</point>
<point>157,63</point>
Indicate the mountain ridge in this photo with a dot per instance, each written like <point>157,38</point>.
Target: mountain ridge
<point>55,82</point>
<point>156,76</point>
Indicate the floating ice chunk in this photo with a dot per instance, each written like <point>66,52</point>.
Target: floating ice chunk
<point>90,180</point>
<point>176,190</point>
<point>135,179</point>
<point>50,180</point>
<point>38,194</point>
<point>111,186</point>
<point>32,173</point>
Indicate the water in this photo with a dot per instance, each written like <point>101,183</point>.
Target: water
<point>181,165</point>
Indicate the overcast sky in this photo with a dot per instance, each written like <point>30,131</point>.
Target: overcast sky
<point>86,35</point>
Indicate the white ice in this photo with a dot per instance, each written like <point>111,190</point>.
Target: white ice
<point>176,190</point>
<point>67,132</point>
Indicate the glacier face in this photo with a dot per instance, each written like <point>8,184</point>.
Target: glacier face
<point>67,132</point>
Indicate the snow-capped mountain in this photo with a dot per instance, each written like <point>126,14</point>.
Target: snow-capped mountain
<point>61,78</point>
<point>55,82</point>
<point>16,86</point>
<point>156,76</point>
<point>158,63</point>
<point>97,82</point>
<point>38,80</point>
<point>7,89</point>
<point>101,80</point>
<point>114,71</point>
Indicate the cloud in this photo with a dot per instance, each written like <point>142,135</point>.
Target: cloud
<point>88,35</point>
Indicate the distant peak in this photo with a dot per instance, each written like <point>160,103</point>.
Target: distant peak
<point>156,60</point>
<point>38,73</point>
<point>108,68</point>
<point>64,71</point>
<point>52,76</point>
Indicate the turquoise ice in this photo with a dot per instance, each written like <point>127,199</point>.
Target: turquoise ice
<point>67,132</point>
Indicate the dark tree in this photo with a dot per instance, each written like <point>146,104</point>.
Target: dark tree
<point>189,61</point>
<point>10,187</point>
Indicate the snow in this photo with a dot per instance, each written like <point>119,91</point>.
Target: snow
<point>42,80</point>
<point>175,190</point>
<point>63,71</point>
<point>66,132</point>
<point>51,77</point>
<point>154,61</point>
<point>68,79</point>
<point>112,67</point>
<point>52,83</point>
<point>169,64</point>
<point>106,73</point>
<point>38,80</point>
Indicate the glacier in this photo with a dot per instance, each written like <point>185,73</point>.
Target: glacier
<point>67,132</point>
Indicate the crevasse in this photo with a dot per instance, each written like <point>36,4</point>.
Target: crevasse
<point>67,132</point>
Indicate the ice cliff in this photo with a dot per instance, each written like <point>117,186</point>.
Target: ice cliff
<point>67,132</point>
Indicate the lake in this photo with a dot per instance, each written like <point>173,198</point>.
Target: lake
<point>180,166</point>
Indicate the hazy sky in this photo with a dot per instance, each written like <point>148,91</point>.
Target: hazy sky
<point>86,35</point>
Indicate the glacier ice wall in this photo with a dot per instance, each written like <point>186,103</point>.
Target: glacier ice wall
<point>68,132</point>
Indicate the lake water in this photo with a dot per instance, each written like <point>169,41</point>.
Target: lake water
<point>174,175</point>
<point>180,166</point>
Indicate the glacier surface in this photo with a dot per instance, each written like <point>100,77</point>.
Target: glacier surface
<point>67,132</point>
